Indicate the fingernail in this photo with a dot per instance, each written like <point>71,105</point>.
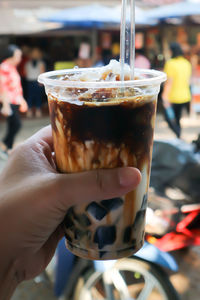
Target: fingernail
<point>129,177</point>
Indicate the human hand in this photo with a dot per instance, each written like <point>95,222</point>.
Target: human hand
<point>34,199</point>
<point>166,103</point>
<point>6,110</point>
<point>23,106</point>
<point>166,91</point>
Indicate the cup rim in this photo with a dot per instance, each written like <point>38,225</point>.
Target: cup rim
<point>45,78</point>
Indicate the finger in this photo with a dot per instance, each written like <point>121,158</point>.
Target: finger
<point>43,135</point>
<point>42,143</point>
<point>36,152</point>
<point>71,189</point>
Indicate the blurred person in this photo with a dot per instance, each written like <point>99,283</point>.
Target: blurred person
<point>195,84</point>
<point>141,61</point>
<point>21,68</point>
<point>176,92</point>
<point>11,96</point>
<point>106,56</point>
<point>84,62</point>
<point>33,68</point>
<point>84,56</point>
<point>34,200</point>
<point>98,58</point>
<point>196,47</point>
<point>116,51</point>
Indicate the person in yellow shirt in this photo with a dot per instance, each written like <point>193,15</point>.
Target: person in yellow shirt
<point>176,93</point>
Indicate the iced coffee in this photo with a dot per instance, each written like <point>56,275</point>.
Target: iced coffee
<point>99,122</point>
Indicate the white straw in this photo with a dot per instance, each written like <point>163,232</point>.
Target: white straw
<point>132,42</point>
<point>123,38</point>
<point>127,37</point>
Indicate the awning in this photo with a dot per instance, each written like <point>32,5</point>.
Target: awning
<point>177,10</point>
<point>20,22</point>
<point>95,15</point>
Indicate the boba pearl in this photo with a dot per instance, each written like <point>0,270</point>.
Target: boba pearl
<point>144,202</point>
<point>97,211</point>
<point>105,235</point>
<point>68,237</point>
<point>112,204</point>
<point>139,218</point>
<point>82,219</point>
<point>127,234</point>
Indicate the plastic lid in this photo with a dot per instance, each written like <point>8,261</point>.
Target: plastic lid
<point>146,78</point>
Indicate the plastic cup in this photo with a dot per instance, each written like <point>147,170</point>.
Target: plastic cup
<point>114,130</point>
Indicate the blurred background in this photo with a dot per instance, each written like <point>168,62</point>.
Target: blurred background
<point>61,29</point>
<point>63,33</point>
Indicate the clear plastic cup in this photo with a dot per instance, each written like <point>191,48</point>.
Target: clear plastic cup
<point>103,125</point>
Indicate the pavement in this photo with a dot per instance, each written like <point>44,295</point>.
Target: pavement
<point>187,280</point>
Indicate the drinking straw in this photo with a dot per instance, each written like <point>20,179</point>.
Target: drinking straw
<point>132,42</point>
<point>123,38</point>
<point>127,37</point>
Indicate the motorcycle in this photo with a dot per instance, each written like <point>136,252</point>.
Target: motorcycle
<point>175,166</point>
<point>173,226</point>
<point>140,277</point>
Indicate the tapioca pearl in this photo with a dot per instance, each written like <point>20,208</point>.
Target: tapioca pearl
<point>83,220</point>
<point>105,235</point>
<point>112,204</point>
<point>96,211</point>
<point>144,202</point>
<point>127,234</point>
<point>68,237</point>
<point>68,223</point>
<point>68,220</point>
<point>140,217</point>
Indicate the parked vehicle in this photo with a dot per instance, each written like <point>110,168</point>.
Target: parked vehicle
<point>142,276</point>
<point>176,165</point>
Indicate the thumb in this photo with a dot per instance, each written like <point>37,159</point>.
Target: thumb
<point>73,189</point>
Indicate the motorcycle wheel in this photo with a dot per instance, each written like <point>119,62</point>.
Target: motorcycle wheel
<point>128,279</point>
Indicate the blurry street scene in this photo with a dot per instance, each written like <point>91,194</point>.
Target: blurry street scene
<point>55,35</point>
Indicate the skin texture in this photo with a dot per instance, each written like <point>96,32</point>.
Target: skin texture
<point>33,201</point>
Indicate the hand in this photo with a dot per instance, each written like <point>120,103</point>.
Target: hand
<point>166,91</point>
<point>34,199</point>
<point>23,106</point>
<point>165,101</point>
<point>6,110</point>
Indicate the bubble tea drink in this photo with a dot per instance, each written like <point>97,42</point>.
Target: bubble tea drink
<point>99,122</point>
